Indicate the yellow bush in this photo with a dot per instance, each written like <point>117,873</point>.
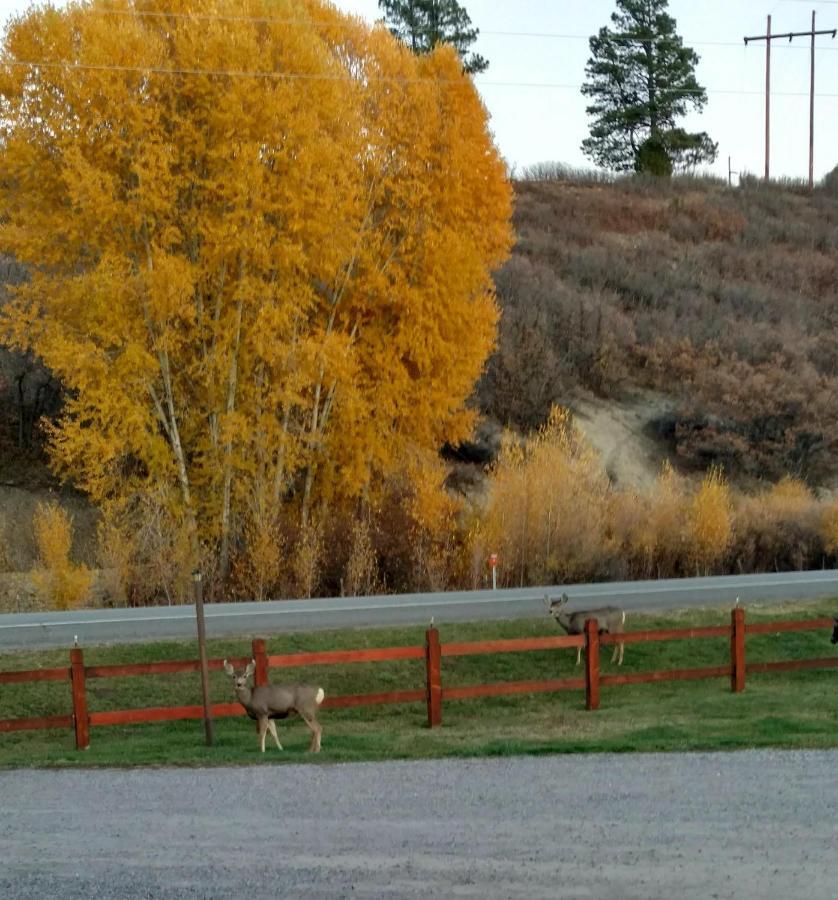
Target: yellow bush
<point>710,521</point>
<point>436,532</point>
<point>361,574</point>
<point>307,560</point>
<point>258,565</point>
<point>145,542</point>
<point>829,527</point>
<point>60,583</point>
<point>547,513</point>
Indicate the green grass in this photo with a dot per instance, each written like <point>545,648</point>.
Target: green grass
<point>779,710</point>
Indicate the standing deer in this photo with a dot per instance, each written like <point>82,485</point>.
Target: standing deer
<point>277,701</point>
<point>610,620</point>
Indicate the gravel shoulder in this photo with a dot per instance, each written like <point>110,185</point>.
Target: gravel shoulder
<point>751,824</point>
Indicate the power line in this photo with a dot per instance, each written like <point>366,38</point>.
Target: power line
<point>319,76</point>
<point>308,23</point>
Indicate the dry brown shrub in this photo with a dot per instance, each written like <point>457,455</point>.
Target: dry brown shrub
<point>60,583</point>
<point>778,529</point>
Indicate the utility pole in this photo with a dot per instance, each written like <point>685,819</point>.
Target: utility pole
<point>768,37</point>
<point>202,653</point>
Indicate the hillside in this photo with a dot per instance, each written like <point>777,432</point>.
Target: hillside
<point>682,321</point>
<point>719,304</point>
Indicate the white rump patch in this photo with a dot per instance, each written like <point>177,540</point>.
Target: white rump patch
<point>321,696</point>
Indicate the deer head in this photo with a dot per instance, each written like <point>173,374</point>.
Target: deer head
<point>240,678</point>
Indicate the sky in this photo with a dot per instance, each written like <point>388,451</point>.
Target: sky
<point>537,50</point>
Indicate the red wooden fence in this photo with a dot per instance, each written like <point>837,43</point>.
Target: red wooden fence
<point>432,653</point>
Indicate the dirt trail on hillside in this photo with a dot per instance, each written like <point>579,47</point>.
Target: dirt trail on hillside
<point>619,431</point>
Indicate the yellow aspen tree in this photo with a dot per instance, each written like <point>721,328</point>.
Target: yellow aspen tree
<point>259,237</point>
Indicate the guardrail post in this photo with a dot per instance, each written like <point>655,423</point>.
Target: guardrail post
<point>433,671</point>
<point>591,664</point>
<point>260,676</point>
<point>737,650</point>
<point>81,723</point>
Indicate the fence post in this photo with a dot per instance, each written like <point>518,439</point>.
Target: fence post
<point>260,676</point>
<point>737,650</point>
<point>80,720</point>
<point>433,670</point>
<point>591,664</point>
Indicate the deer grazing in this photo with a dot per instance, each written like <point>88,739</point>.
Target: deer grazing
<point>277,701</point>
<point>834,637</point>
<point>610,620</point>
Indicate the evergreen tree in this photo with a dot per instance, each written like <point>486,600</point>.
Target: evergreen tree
<point>422,24</point>
<point>641,79</point>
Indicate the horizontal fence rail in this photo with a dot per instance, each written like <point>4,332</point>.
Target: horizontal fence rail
<point>433,652</point>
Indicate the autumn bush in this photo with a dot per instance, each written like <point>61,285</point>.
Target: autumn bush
<point>779,529</point>
<point>547,511</point>
<point>60,583</point>
<point>144,544</point>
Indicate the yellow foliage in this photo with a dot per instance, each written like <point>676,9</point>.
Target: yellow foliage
<point>145,540</point>
<point>829,527</point>
<point>710,521</point>
<point>274,286</point>
<point>61,583</point>
<point>361,576</point>
<point>307,559</point>
<point>435,536</point>
<point>547,514</point>
<point>260,562</point>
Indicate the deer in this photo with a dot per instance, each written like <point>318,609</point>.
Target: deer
<point>610,620</point>
<point>267,702</point>
<point>834,638</point>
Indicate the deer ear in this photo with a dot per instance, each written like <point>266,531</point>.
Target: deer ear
<point>228,668</point>
<point>251,668</point>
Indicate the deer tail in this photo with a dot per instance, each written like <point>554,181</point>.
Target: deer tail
<point>320,696</point>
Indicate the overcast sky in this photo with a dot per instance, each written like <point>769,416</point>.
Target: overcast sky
<point>537,50</point>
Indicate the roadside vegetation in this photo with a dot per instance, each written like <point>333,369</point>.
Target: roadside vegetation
<point>788,710</point>
<point>225,374</point>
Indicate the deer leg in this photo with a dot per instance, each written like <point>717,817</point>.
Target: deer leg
<point>616,653</point>
<point>316,731</point>
<point>622,648</point>
<point>272,729</point>
<point>263,728</point>
<point>578,655</point>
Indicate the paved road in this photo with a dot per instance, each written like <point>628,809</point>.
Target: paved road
<point>35,630</point>
<point>755,824</point>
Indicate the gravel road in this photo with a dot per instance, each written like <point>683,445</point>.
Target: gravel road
<point>758,824</point>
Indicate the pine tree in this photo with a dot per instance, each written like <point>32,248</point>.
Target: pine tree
<point>422,24</point>
<point>641,79</point>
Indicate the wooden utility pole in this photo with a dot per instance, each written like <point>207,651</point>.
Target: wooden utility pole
<point>768,37</point>
<point>202,654</point>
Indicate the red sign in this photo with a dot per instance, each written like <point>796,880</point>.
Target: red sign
<point>493,560</point>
